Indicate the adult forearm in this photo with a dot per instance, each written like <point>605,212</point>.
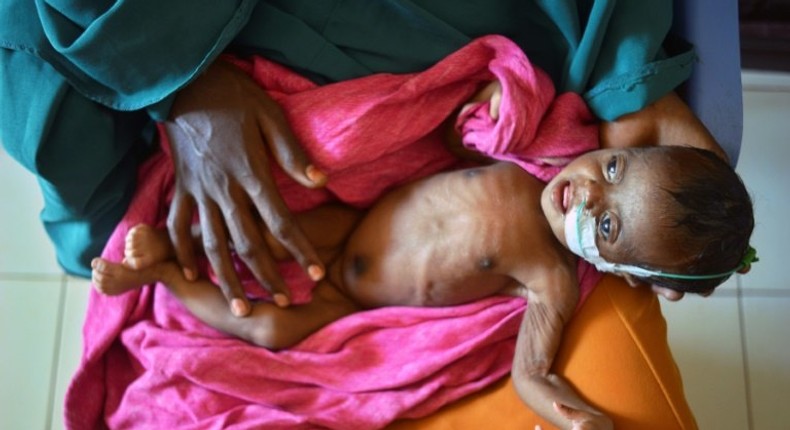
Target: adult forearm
<point>667,122</point>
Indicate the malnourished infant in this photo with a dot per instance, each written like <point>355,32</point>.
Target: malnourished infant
<point>645,213</point>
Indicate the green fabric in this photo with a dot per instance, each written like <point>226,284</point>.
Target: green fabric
<point>81,80</point>
<point>85,159</point>
<point>614,61</point>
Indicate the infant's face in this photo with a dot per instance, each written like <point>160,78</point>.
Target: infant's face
<point>621,188</point>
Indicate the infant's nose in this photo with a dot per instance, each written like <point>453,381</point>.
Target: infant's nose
<point>593,194</point>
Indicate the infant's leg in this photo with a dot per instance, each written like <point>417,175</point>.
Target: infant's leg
<point>113,278</point>
<point>268,325</point>
<point>146,246</point>
<point>145,251</point>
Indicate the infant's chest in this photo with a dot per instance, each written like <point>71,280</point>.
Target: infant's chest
<point>472,229</point>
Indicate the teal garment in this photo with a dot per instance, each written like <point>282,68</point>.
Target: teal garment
<point>81,82</point>
<point>615,61</point>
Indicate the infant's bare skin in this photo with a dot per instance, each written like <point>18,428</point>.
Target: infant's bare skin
<point>147,252</point>
<point>449,239</point>
<point>469,216</point>
<point>145,246</point>
<point>444,240</point>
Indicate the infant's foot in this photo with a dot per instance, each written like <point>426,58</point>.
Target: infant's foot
<point>113,279</point>
<point>146,246</point>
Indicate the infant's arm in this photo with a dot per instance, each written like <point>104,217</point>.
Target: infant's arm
<point>492,93</point>
<point>552,300</point>
<point>667,122</point>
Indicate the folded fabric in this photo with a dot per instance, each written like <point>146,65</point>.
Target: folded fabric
<point>148,363</point>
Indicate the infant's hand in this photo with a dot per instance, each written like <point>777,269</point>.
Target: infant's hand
<point>581,420</point>
<point>491,93</point>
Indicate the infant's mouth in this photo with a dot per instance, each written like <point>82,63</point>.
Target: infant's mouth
<point>562,196</point>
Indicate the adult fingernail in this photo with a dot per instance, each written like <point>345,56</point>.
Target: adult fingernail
<point>316,176</point>
<point>315,272</point>
<point>190,275</point>
<point>238,307</point>
<point>281,300</point>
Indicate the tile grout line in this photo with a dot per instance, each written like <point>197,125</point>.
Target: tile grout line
<point>54,370</point>
<point>744,352</point>
<point>30,277</point>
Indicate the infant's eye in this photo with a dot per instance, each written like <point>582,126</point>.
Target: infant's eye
<point>611,169</point>
<point>605,226</point>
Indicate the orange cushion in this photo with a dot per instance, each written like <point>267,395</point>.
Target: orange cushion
<point>615,353</point>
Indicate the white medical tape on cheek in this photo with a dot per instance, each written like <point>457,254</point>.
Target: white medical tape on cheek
<point>580,232</point>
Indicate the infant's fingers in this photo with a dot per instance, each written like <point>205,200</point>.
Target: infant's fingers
<point>581,420</point>
<point>568,412</point>
<point>216,248</point>
<point>179,227</point>
<point>496,101</point>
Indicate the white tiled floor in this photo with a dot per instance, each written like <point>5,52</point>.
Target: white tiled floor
<point>733,348</point>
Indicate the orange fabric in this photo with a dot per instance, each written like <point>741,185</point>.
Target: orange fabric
<point>615,353</point>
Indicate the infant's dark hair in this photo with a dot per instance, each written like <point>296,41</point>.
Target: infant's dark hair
<point>712,213</point>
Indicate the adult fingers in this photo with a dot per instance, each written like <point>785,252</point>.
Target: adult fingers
<point>284,146</point>
<point>215,246</point>
<point>265,196</point>
<point>250,246</point>
<point>667,293</point>
<point>285,230</point>
<point>179,227</point>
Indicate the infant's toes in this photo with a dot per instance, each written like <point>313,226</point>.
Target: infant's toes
<point>139,247</point>
<point>133,262</point>
<point>138,235</point>
<point>100,276</point>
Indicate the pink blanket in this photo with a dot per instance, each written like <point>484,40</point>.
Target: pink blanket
<point>147,363</point>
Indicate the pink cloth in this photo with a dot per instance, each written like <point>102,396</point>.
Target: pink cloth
<point>147,363</point>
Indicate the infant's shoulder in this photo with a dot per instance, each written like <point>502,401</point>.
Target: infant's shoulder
<point>499,182</point>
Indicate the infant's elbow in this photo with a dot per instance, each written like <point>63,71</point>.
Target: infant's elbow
<point>532,369</point>
<point>526,377</point>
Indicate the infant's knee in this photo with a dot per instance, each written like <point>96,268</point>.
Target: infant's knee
<point>273,340</point>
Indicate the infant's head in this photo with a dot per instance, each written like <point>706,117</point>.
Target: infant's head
<point>653,213</point>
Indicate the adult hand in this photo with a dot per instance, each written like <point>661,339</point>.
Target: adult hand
<point>667,293</point>
<point>582,420</point>
<point>222,130</point>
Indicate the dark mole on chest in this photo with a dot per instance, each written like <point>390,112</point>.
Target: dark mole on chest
<point>358,265</point>
<point>486,263</point>
<point>471,173</point>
